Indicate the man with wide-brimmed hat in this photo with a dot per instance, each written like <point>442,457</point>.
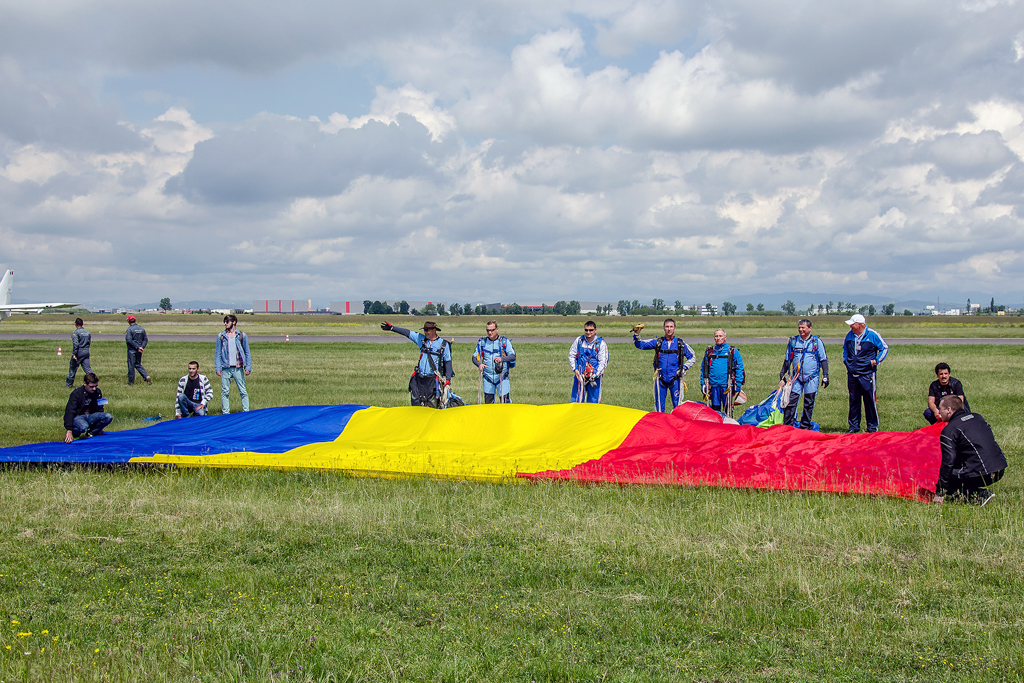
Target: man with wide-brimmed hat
<point>434,366</point>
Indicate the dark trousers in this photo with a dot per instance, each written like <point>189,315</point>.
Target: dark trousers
<point>969,486</point>
<point>73,368</point>
<point>489,398</point>
<point>135,363</point>
<point>423,390</point>
<point>789,414</point>
<point>862,388</point>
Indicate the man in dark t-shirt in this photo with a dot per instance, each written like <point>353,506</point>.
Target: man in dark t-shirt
<point>943,386</point>
<point>194,393</point>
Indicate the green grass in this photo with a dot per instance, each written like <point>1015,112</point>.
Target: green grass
<point>236,575</point>
<point>521,325</point>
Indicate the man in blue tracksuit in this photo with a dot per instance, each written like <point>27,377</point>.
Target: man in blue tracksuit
<point>721,374</point>
<point>588,359</point>
<point>433,367</point>
<point>494,357</point>
<point>80,342</point>
<point>136,339</point>
<point>672,358</point>
<point>863,350</point>
<point>804,364</point>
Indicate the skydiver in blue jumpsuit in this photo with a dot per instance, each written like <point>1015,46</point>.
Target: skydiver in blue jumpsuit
<point>721,373</point>
<point>494,357</point>
<point>672,358</point>
<point>805,363</point>
<point>588,359</point>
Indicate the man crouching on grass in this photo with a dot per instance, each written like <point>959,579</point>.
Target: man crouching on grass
<point>84,413</point>
<point>971,458</point>
<point>194,393</point>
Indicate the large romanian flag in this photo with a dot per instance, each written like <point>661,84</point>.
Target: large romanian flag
<point>581,442</point>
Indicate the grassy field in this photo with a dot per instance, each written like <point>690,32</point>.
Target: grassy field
<point>521,325</point>
<point>232,575</point>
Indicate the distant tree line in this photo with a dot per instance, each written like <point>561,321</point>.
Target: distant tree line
<point>626,307</point>
<point>441,308</point>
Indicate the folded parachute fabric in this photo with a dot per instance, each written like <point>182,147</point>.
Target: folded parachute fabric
<point>581,442</point>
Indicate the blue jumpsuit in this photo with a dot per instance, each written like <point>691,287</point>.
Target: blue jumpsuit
<point>714,374</point>
<point>581,355</point>
<point>804,361</point>
<point>669,376</point>
<point>487,352</point>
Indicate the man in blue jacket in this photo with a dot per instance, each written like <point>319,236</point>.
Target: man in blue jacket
<point>721,374</point>
<point>863,350</point>
<point>137,340</point>
<point>672,358</point>
<point>232,361</point>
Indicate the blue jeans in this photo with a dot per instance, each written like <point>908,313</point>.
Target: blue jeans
<point>91,423</point>
<point>187,406</point>
<point>226,375</point>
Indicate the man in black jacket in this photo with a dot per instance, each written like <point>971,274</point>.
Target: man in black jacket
<point>84,412</point>
<point>971,458</point>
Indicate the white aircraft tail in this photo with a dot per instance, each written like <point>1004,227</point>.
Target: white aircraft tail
<point>6,285</point>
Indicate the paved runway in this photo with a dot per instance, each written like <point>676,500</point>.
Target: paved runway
<point>398,339</point>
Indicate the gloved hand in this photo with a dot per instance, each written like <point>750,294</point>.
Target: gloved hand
<point>679,374</point>
<point>637,328</point>
<point>386,326</point>
<point>824,382</point>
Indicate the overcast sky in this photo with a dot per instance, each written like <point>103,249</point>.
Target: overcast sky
<point>504,151</point>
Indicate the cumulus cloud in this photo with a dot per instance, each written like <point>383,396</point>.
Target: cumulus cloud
<point>679,102</point>
<point>522,151</point>
<point>388,104</point>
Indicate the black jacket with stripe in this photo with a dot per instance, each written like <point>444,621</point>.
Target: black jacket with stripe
<point>969,449</point>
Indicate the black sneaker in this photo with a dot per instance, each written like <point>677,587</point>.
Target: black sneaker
<point>982,497</point>
<point>69,386</point>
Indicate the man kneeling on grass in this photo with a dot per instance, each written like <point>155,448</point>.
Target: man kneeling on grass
<point>194,393</point>
<point>84,412</point>
<point>971,458</point>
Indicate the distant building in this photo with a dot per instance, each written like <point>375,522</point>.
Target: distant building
<point>346,307</point>
<point>282,305</point>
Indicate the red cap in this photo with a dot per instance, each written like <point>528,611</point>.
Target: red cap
<point>131,318</point>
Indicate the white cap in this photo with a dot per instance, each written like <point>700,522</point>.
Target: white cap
<point>856,318</point>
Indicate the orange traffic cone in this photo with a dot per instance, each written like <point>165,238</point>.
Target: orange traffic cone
<point>58,350</point>
<point>286,338</point>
